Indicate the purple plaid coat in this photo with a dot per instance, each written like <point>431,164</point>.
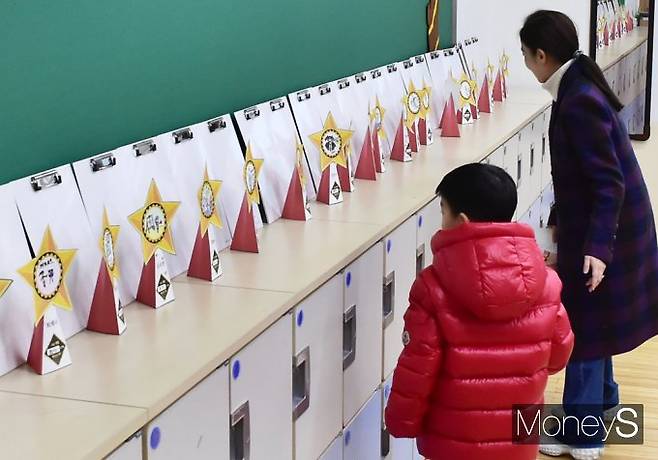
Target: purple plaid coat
<point>603,210</point>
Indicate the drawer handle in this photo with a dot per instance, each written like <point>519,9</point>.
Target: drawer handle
<point>420,258</point>
<point>389,299</point>
<point>301,383</point>
<point>349,337</point>
<point>240,433</point>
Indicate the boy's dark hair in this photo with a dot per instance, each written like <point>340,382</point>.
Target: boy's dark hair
<point>556,34</point>
<point>485,193</point>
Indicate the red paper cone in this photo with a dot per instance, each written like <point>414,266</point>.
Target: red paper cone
<point>200,263</point>
<point>103,313</point>
<point>366,169</point>
<point>484,103</point>
<point>244,237</point>
<point>146,289</point>
<point>294,207</point>
<point>450,125</point>
<point>376,152</point>
<point>498,88</point>
<point>398,150</point>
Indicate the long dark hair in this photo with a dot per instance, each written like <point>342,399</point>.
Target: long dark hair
<point>555,34</point>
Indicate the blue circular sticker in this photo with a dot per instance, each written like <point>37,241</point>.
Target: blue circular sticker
<point>348,279</point>
<point>348,438</point>
<point>155,438</point>
<point>389,243</point>
<point>420,221</point>
<point>300,318</point>
<point>387,391</point>
<point>236,369</point>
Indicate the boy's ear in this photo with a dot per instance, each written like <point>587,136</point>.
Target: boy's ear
<point>463,218</point>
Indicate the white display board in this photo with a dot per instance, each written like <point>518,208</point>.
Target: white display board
<point>497,24</point>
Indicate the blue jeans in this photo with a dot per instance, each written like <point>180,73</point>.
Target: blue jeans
<point>589,389</point>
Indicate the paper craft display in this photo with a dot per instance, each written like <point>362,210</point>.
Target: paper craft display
<point>378,138</point>
<point>331,143</point>
<point>244,237</point>
<point>197,189</point>
<point>439,69</point>
<point>413,104</point>
<point>46,274</point>
<point>480,71</point>
<point>467,111</point>
<point>388,94</point>
<point>118,181</point>
<point>106,314</point>
<point>296,206</point>
<point>270,130</point>
<point>205,262</point>
<point>219,143</point>
<point>310,107</point>
<point>52,200</point>
<point>16,297</point>
<point>153,222</point>
<point>353,96</point>
<point>415,71</point>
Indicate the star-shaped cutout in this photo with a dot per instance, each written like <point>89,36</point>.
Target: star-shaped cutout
<point>299,161</point>
<point>490,72</point>
<point>4,285</point>
<point>425,95</point>
<point>413,105</point>
<point>251,171</point>
<point>46,275</point>
<point>332,143</point>
<point>467,89</point>
<point>152,221</point>
<point>208,194</point>
<point>108,241</point>
<point>377,115</point>
<point>504,64</point>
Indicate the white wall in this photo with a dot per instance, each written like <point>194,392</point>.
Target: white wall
<point>497,23</point>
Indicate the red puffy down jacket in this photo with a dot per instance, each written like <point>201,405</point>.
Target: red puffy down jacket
<point>484,329</point>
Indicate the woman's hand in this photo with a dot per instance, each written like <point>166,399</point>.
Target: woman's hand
<point>597,268</point>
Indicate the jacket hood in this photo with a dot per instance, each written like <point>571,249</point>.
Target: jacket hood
<point>496,271</point>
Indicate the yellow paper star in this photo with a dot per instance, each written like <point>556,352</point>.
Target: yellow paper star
<point>377,115</point>
<point>46,275</point>
<point>425,95</point>
<point>299,161</point>
<point>251,172</point>
<point>467,89</point>
<point>108,241</point>
<point>208,193</point>
<point>490,72</point>
<point>332,143</point>
<point>504,63</point>
<point>413,105</point>
<point>152,221</point>
<point>4,285</point>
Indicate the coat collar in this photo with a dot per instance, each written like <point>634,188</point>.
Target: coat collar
<point>571,75</point>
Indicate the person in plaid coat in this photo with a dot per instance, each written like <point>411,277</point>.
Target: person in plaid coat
<point>607,251</point>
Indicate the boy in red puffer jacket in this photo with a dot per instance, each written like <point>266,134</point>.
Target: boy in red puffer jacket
<point>484,329</point>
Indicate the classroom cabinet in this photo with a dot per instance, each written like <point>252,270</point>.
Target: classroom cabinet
<point>361,437</point>
<point>261,403</point>
<point>362,330</point>
<point>416,455</point>
<point>511,157</point>
<point>334,451</point>
<point>195,426</point>
<point>535,158</point>
<point>317,369</point>
<point>546,150</point>
<point>399,274</point>
<point>428,222</point>
<point>392,448</point>
<point>497,158</point>
<point>129,450</point>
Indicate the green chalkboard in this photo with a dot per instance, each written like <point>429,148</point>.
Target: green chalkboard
<point>80,77</point>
